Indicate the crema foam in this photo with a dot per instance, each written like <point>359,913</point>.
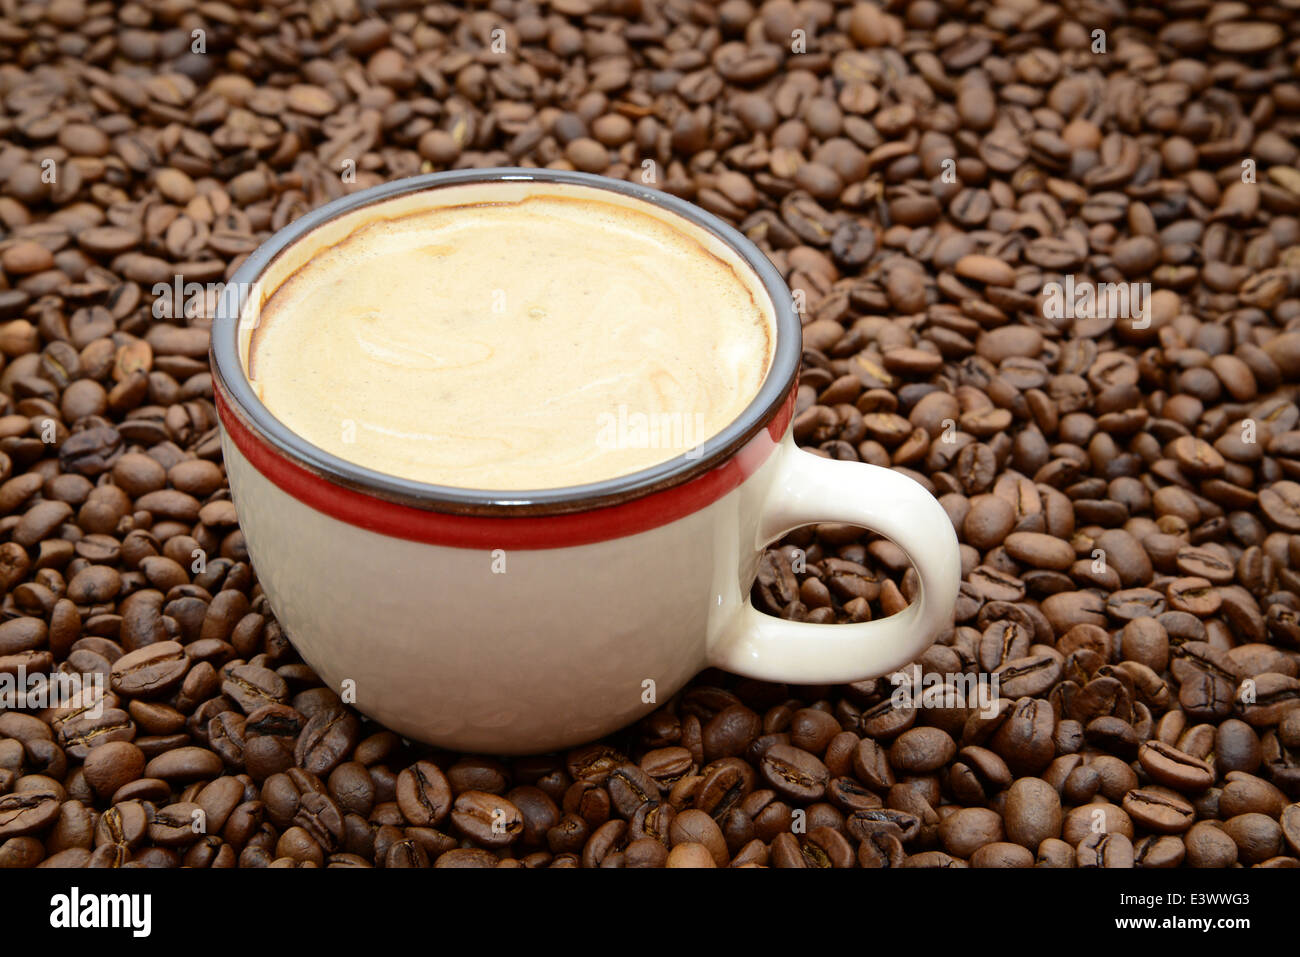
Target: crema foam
<point>536,341</point>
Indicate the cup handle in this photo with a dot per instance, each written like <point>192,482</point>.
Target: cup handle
<point>810,489</point>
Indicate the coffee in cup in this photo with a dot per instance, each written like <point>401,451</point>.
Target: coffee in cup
<point>512,339</point>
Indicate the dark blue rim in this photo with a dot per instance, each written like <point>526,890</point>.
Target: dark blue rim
<point>776,387</point>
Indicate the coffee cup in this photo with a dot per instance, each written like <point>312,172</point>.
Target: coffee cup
<point>518,620</point>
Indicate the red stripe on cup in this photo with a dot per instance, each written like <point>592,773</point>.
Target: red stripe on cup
<point>525,532</point>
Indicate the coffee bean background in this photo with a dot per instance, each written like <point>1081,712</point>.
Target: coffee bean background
<point>1128,499</point>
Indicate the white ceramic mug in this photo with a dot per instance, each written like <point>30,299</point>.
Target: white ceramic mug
<point>520,622</point>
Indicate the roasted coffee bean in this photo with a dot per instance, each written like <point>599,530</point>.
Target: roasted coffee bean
<point>423,794</point>
<point>1105,850</point>
<point>969,829</point>
<point>812,730</point>
<point>1168,766</point>
<point>668,765</point>
<point>1209,845</point>
<point>227,737</point>
<point>1029,676</point>
<point>1258,837</point>
<point>863,822</point>
<point>82,731</point>
<point>723,784</point>
<point>1205,696</point>
<point>177,825</point>
<point>1236,747</point>
<point>125,824</point>
<point>487,818</point>
<point>594,763</point>
<point>150,672</point>
<point>1160,809</point>
<point>1032,812</point>
<point>629,787</point>
<point>28,812</point>
<point>538,814</point>
<point>920,750</point>
<point>652,821</point>
<point>589,801</point>
<point>112,765</point>
<point>794,773</point>
<point>880,849</point>
<point>1024,738</point>
<point>326,740</point>
<point>871,765</point>
<point>252,687</point>
<point>729,732</point>
<point>184,764</point>
<point>1291,827</point>
<point>1245,793</point>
